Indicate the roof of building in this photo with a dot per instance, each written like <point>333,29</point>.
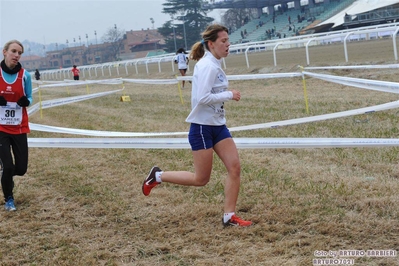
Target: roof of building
<point>144,42</point>
<point>30,58</point>
<point>358,7</point>
<point>148,35</point>
<point>243,3</point>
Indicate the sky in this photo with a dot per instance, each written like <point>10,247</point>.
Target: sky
<point>55,21</point>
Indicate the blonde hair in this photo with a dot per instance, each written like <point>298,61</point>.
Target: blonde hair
<point>7,45</point>
<point>210,34</point>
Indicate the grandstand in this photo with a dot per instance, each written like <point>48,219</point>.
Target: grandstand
<point>361,13</point>
<point>274,16</point>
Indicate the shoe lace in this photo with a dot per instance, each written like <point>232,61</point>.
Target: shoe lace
<point>9,200</point>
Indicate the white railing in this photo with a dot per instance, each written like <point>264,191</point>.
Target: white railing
<point>364,33</point>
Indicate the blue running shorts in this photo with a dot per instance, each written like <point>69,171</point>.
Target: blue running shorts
<point>204,137</point>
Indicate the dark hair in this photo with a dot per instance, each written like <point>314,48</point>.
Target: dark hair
<point>181,50</point>
<point>74,66</point>
<point>210,34</point>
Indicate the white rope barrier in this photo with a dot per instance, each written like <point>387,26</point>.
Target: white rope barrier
<point>250,77</point>
<point>152,81</point>
<point>86,82</point>
<point>182,143</point>
<point>392,66</point>
<point>249,143</point>
<point>384,86</point>
<point>365,110</point>
<point>98,133</point>
<point>58,102</point>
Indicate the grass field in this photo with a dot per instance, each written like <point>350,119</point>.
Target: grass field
<point>85,206</point>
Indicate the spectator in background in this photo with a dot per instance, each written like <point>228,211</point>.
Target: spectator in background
<point>181,59</point>
<point>37,74</point>
<point>75,72</point>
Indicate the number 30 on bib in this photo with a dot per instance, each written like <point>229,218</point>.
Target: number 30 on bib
<point>11,114</point>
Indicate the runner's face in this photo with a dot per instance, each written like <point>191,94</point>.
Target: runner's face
<point>220,48</point>
<point>12,55</point>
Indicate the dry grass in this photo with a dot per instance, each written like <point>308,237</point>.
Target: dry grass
<point>85,207</point>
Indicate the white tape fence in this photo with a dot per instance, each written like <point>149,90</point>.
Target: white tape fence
<point>112,139</point>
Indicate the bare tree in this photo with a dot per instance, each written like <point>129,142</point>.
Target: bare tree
<point>115,37</point>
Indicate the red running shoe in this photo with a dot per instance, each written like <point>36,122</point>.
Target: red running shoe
<point>236,221</point>
<point>150,182</point>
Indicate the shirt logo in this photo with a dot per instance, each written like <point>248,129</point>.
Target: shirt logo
<point>9,88</point>
<point>220,77</point>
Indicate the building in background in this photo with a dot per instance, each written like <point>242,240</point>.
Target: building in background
<point>135,44</point>
<point>141,43</point>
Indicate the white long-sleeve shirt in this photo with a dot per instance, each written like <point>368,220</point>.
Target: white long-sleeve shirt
<point>209,92</point>
<point>181,60</point>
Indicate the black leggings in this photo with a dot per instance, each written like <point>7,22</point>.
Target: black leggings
<point>15,163</point>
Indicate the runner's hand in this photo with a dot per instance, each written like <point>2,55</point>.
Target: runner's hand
<point>23,101</point>
<point>3,102</point>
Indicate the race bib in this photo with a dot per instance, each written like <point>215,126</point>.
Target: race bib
<point>219,111</point>
<point>11,114</point>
